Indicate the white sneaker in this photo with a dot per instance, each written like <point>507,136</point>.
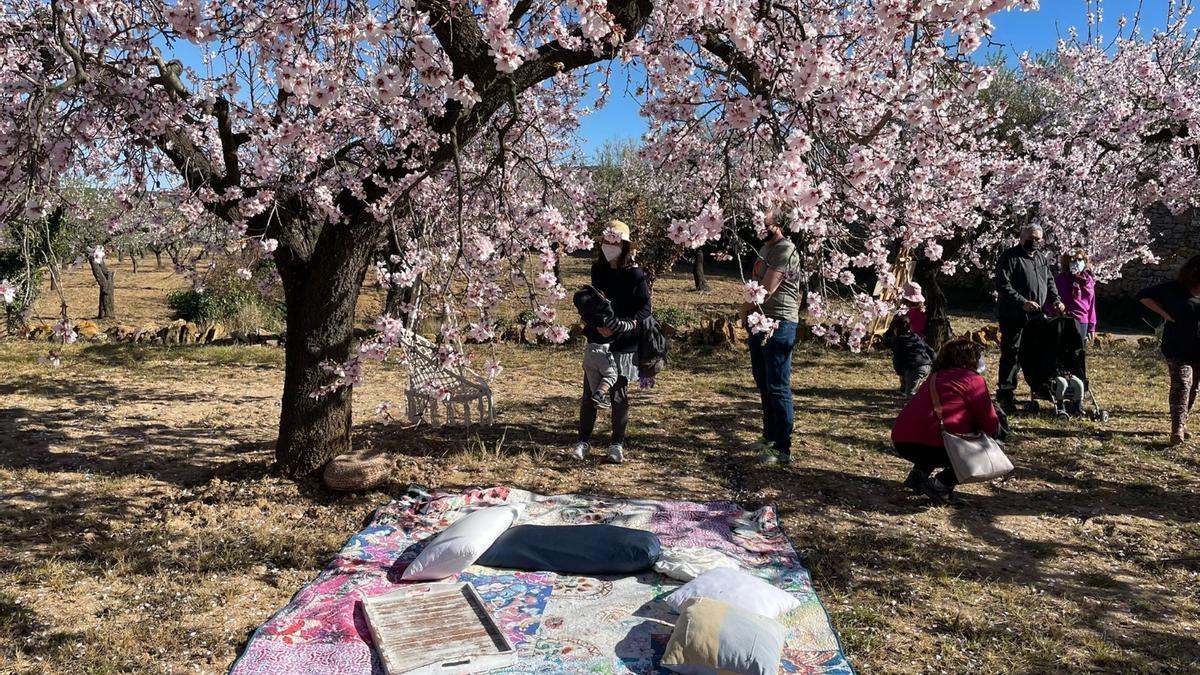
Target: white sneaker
<point>579,450</point>
<point>616,453</point>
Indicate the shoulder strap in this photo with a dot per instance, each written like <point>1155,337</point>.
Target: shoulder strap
<point>937,401</point>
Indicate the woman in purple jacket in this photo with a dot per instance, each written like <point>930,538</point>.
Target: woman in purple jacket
<point>1077,288</point>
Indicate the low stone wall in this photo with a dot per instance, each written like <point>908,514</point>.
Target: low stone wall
<point>1177,238</point>
<point>177,332</point>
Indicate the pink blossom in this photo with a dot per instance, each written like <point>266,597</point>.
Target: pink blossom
<point>759,323</point>
<point>557,335</point>
<point>493,368</point>
<point>65,332</point>
<point>755,293</point>
<point>8,291</point>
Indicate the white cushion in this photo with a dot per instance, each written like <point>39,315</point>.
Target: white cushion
<point>737,588</point>
<point>458,546</point>
<point>686,564</point>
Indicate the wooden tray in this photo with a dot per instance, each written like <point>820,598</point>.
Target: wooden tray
<point>448,629</point>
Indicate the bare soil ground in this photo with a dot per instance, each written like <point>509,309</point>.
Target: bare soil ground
<point>143,529</point>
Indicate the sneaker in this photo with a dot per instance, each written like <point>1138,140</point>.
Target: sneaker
<point>940,495</point>
<point>760,445</point>
<point>616,453</point>
<point>774,457</point>
<point>579,450</point>
<point>915,480</point>
<point>602,400</point>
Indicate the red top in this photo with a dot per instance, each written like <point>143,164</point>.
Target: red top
<point>918,320</point>
<point>966,407</point>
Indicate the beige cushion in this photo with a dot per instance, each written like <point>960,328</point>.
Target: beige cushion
<point>358,470</point>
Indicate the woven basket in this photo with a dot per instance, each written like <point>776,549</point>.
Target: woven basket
<point>355,471</point>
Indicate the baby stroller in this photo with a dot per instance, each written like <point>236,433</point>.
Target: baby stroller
<point>1055,366</point>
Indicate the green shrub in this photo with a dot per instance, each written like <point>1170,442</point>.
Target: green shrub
<point>676,316</point>
<point>237,303</point>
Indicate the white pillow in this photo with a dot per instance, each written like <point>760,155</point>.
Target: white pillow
<point>737,588</point>
<point>686,564</point>
<point>462,543</point>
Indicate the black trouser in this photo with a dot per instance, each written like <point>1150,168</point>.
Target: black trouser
<point>620,411</point>
<point>926,458</point>
<point>1011,329</point>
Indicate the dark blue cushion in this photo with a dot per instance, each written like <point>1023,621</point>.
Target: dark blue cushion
<point>574,549</point>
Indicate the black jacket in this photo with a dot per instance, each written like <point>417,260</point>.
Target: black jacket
<point>629,293</point>
<point>910,352</point>
<point>1021,278</point>
<point>596,311</point>
<point>1180,337</point>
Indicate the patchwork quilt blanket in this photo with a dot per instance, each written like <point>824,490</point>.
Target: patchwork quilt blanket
<point>558,623</point>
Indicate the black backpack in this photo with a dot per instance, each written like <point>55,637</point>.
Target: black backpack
<point>652,349</point>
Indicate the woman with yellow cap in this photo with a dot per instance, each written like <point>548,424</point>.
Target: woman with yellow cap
<point>617,276</point>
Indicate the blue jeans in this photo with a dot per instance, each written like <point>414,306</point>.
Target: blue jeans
<point>771,362</point>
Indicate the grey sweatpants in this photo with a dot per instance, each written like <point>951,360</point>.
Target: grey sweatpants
<point>599,367</point>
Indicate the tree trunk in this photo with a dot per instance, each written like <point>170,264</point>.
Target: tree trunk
<point>698,279</point>
<point>105,278</point>
<point>937,329</point>
<point>320,294</point>
<point>158,260</point>
<point>133,260</point>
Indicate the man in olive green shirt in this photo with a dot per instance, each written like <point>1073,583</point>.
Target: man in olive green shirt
<point>777,270</point>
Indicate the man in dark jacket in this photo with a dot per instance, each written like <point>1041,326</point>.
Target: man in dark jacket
<point>1025,284</point>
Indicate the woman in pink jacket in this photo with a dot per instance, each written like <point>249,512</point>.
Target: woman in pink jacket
<point>1077,288</point>
<point>966,408</point>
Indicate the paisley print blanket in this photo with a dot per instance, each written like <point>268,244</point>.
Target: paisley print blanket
<point>558,623</point>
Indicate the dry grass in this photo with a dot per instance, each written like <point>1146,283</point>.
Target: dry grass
<point>144,532</point>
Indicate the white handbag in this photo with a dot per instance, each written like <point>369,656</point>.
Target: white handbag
<point>976,457</point>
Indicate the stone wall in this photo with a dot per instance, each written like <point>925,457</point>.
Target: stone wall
<point>1176,238</point>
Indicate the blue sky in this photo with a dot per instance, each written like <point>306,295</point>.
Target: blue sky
<point>1017,31</point>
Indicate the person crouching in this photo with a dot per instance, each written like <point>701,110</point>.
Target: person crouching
<point>966,408</point>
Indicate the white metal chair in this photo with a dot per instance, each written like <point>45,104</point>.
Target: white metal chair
<point>426,375</point>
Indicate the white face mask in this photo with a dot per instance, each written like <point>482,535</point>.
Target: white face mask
<point>611,252</point>
<point>981,367</point>
<point>1077,266</point>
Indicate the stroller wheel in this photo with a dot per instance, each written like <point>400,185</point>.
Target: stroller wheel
<point>1062,416</point>
<point>1102,415</point>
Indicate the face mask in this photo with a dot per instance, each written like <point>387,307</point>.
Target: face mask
<point>611,252</point>
<point>981,367</point>
<point>1077,267</point>
<point>1032,245</point>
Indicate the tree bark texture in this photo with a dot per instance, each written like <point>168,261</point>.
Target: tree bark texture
<point>321,293</point>
<point>698,279</point>
<point>105,279</point>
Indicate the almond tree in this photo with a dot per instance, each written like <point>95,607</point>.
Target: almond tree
<point>314,129</point>
<point>1116,131</point>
